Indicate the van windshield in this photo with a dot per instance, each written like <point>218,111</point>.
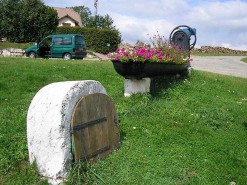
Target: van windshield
<point>79,40</point>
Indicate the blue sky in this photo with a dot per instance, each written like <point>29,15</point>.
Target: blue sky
<point>218,23</point>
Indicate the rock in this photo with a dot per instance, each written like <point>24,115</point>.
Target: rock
<point>126,46</point>
<point>13,52</point>
<point>6,53</point>
<point>139,44</point>
<point>210,49</point>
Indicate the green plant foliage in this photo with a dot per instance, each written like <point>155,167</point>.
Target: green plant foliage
<point>102,41</point>
<point>27,20</point>
<point>84,12</point>
<point>188,130</point>
<point>244,60</point>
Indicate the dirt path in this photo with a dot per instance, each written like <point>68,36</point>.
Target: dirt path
<point>227,65</point>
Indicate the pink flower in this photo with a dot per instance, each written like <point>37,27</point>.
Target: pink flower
<point>191,60</point>
<point>108,54</point>
<point>160,57</point>
<point>167,53</point>
<point>174,56</point>
<point>122,49</point>
<point>100,59</point>
<point>117,50</point>
<point>138,53</point>
<point>118,57</point>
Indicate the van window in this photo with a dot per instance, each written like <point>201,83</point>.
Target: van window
<point>67,40</point>
<point>79,40</point>
<point>62,41</point>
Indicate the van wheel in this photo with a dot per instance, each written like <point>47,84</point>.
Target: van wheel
<point>31,54</point>
<point>67,56</point>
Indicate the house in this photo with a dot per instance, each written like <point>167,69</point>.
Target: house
<point>68,17</point>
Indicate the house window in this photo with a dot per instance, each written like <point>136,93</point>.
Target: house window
<point>66,24</point>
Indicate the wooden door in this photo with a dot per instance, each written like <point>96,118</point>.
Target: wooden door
<point>94,127</point>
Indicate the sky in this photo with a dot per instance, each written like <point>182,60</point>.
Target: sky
<point>217,23</point>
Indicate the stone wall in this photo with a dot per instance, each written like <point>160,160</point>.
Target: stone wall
<point>12,52</point>
<point>211,49</point>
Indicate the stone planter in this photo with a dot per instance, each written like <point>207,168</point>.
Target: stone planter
<point>139,70</point>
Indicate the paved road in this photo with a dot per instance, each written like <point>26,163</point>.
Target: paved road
<point>227,65</point>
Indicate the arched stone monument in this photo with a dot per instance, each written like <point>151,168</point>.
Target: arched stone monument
<point>48,126</point>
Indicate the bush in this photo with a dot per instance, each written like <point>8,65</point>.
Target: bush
<point>98,40</point>
<point>27,20</point>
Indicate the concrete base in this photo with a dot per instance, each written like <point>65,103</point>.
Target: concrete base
<point>48,126</point>
<point>134,86</point>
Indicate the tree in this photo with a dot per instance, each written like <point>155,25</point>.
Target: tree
<point>27,20</point>
<point>97,21</point>
<point>84,13</point>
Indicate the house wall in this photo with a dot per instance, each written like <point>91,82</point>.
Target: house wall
<point>66,20</point>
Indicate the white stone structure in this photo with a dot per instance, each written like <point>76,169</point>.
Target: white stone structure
<point>48,126</point>
<point>12,52</point>
<point>134,86</point>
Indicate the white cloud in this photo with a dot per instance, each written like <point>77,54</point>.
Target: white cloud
<point>217,22</point>
<point>134,29</point>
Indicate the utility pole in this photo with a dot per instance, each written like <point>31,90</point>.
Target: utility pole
<point>96,7</point>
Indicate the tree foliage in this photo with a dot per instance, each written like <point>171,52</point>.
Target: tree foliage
<point>84,12</point>
<point>26,20</point>
<point>97,21</point>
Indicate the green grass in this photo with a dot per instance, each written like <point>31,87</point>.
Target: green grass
<point>215,54</point>
<point>5,45</point>
<point>189,130</point>
<point>244,60</point>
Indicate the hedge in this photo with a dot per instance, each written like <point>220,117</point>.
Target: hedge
<point>98,40</point>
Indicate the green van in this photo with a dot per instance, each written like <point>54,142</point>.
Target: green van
<point>66,46</point>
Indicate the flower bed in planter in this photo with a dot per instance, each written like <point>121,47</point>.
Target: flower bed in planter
<point>138,70</point>
<point>161,60</point>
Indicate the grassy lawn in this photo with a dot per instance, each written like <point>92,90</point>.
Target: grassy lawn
<point>244,60</point>
<point>189,130</point>
<point>5,45</point>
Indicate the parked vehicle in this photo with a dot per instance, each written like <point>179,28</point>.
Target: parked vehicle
<point>66,46</point>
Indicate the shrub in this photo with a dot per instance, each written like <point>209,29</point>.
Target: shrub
<point>98,40</point>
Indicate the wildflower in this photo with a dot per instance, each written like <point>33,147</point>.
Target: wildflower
<point>134,128</point>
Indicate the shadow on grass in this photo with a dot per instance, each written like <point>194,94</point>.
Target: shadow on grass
<point>159,85</point>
